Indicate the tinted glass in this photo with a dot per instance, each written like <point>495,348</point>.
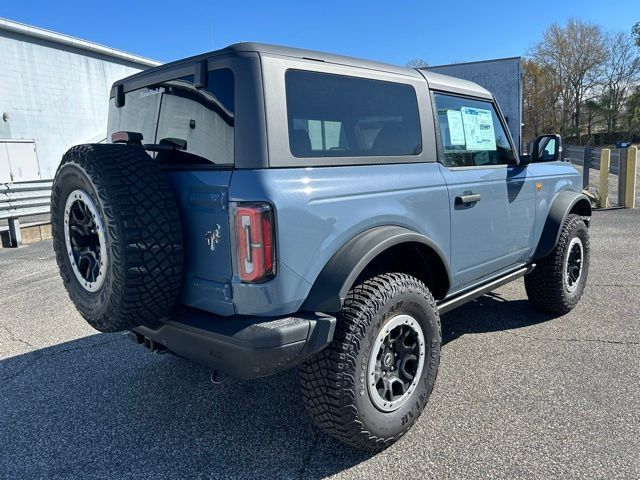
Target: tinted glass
<point>139,114</point>
<point>176,112</point>
<point>471,133</point>
<point>338,116</point>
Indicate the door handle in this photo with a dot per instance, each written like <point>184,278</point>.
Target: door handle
<point>469,198</point>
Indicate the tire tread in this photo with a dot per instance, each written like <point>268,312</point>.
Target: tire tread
<point>141,216</point>
<point>328,384</point>
<point>545,284</point>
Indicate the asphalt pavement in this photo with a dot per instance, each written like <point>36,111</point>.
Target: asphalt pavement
<point>519,394</point>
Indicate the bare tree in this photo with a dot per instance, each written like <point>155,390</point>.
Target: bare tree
<point>417,63</point>
<point>574,53</point>
<point>540,96</point>
<point>620,71</point>
<point>635,33</point>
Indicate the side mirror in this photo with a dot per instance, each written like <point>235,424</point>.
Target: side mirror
<point>546,148</point>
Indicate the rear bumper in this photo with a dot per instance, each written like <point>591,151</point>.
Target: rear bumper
<point>243,347</point>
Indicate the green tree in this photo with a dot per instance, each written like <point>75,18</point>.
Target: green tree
<point>592,113</point>
<point>635,32</point>
<point>632,112</point>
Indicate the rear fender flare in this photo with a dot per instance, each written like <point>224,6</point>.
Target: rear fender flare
<point>340,273</point>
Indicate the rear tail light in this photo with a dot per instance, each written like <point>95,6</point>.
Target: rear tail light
<point>254,241</point>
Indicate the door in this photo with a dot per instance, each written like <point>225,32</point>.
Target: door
<point>491,197</point>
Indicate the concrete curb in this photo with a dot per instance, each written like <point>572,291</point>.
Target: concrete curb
<point>31,233</point>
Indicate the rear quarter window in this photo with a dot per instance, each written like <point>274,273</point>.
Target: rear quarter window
<point>333,115</point>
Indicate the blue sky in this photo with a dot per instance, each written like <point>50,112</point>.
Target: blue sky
<point>389,31</point>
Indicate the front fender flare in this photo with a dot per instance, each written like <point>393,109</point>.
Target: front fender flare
<point>339,274</point>
<point>563,203</point>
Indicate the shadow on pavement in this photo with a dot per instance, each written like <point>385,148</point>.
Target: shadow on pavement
<point>103,407</point>
<point>490,313</point>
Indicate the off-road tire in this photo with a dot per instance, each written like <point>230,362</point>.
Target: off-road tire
<point>143,235</point>
<point>333,381</point>
<point>545,285</point>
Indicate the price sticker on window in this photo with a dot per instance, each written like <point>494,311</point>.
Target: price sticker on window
<point>478,128</point>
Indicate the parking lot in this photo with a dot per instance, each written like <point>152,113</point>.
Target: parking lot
<point>519,395</point>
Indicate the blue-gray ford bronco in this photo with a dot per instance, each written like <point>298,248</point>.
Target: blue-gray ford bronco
<point>261,207</point>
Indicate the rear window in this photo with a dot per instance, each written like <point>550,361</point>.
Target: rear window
<point>175,111</point>
<point>338,116</point>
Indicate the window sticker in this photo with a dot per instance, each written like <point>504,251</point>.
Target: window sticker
<point>151,91</point>
<point>478,128</point>
<point>456,128</point>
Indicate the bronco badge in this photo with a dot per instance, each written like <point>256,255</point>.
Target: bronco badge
<point>213,237</point>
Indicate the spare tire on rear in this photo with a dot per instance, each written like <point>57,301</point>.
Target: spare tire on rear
<point>116,235</point>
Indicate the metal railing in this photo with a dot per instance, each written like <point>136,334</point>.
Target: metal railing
<point>578,155</point>
<point>23,199</point>
<point>622,164</point>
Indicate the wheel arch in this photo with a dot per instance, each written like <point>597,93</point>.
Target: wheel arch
<point>563,204</point>
<point>374,251</point>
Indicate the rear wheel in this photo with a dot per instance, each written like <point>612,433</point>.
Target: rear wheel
<point>117,236</point>
<point>558,281</point>
<point>371,384</point>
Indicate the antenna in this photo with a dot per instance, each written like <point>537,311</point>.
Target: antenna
<point>211,32</point>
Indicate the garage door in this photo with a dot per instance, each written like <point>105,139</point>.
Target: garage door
<point>18,161</point>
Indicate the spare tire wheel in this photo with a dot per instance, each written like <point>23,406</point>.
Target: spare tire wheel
<point>116,235</point>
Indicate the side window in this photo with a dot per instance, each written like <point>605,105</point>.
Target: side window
<point>339,116</point>
<point>471,133</point>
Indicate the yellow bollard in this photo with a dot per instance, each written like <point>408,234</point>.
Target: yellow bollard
<point>603,189</point>
<point>631,180</point>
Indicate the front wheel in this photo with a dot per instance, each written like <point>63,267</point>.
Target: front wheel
<point>557,283</point>
<point>370,385</point>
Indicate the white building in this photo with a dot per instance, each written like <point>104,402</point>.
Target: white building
<point>54,93</point>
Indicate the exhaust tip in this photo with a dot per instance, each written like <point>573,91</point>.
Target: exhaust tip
<point>146,342</point>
